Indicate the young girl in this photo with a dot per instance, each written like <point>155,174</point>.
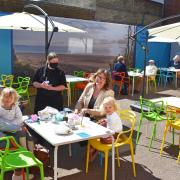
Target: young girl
<point>11,121</point>
<point>112,122</point>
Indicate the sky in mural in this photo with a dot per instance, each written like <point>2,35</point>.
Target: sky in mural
<point>101,39</point>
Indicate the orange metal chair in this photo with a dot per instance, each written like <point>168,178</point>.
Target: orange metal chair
<point>118,79</point>
<point>79,86</point>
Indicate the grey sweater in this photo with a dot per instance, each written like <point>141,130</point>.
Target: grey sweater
<point>14,115</point>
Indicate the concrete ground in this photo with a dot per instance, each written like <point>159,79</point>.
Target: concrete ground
<point>149,164</point>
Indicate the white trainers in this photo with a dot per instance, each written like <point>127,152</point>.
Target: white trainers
<point>15,177</point>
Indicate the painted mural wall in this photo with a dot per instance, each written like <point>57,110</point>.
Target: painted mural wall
<point>96,48</point>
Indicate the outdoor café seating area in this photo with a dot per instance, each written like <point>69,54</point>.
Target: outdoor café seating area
<point>155,134</point>
<point>104,106</point>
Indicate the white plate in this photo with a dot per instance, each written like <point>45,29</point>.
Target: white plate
<point>64,133</point>
<point>63,130</point>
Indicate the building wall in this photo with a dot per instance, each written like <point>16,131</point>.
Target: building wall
<point>128,11</point>
<point>115,11</point>
<point>172,7</point>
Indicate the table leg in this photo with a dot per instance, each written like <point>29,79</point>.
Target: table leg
<point>70,150</point>
<point>69,94</point>
<point>176,80</point>
<point>55,162</point>
<point>132,85</point>
<point>113,159</point>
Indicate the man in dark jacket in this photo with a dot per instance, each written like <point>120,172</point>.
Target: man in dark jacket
<point>121,67</point>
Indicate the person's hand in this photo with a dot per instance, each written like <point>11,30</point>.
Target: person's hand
<point>84,111</point>
<point>44,85</point>
<point>102,122</point>
<point>24,128</point>
<point>76,111</point>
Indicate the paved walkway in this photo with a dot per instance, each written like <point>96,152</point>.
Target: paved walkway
<point>149,164</point>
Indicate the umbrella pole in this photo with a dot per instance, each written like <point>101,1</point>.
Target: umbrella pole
<point>47,18</point>
<point>145,48</point>
<point>46,37</point>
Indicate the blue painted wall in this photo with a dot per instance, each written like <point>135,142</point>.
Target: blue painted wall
<point>158,51</point>
<point>6,50</point>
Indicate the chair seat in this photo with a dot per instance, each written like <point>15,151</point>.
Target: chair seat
<point>176,124</point>
<point>17,158</point>
<point>96,143</point>
<point>20,160</point>
<point>106,147</point>
<point>153,117</point>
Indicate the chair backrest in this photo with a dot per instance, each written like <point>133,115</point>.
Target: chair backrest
<point>79,73</point>
<point>170,74</point>
<point>149,106</point>
<point>7,80</point>
<point>132,69</point>
<point>87,74</point>
<point>171,112</point>
<point>165,72</point>
<point>10,145</point>
<point>23,83</point>
<point>146,105</point>
<point>128,117</point>
<point>118,76</point>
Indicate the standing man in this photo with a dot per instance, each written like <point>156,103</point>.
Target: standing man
<point>49,81</point>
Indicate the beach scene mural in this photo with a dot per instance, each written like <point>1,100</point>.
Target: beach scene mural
<point>96,48</point>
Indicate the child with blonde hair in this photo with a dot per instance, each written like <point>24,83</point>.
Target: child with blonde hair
<point>11,121</point>
<point>112,121</point>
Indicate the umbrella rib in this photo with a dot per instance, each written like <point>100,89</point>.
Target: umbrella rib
<point>36,19</point>
<point>177,37</point>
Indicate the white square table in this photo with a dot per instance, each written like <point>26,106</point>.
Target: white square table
<point>73,79</point>
<point>90,129</point>
<point>176,72</point>
<point>172,101</point>
<point>133,75</point>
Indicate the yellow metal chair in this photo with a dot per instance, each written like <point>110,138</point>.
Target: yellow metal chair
<point>174,122</point>
<point>123,138</point>
<point>68,92</point>
<point>149,81</point>
<point>7,80</point>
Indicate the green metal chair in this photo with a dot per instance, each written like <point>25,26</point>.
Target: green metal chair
<point>78,73</point>
<point>152,111</point>
<point>13,157</point>
<point>23,88</point>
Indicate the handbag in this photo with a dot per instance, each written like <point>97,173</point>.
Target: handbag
<point>42,154</point>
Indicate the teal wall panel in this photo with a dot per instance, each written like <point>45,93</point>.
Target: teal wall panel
<point>6,50</point>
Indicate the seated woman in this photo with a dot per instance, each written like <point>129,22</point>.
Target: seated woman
<point>93,95</point>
